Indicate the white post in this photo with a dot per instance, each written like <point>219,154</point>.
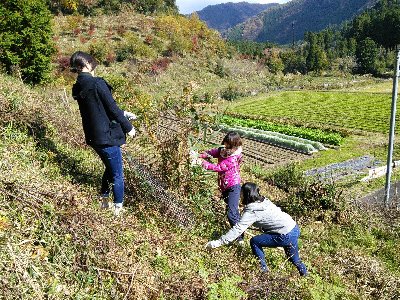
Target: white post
<point>391,133</point>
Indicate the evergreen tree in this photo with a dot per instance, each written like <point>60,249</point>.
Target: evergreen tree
<point>26,38</point>
<point>316,59</point>
<point>367,56</point>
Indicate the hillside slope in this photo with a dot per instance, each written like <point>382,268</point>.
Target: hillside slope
<point>275,25</point>
<point>56,243</point>
<point>226,15</point>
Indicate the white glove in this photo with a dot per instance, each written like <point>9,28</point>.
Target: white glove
<point>196,162</point>
<point>194,156</point>
<point>129,115</point>
<point>132,132</point>
<point>214,244</point>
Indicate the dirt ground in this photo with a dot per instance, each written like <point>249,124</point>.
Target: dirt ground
<point>377,198</point>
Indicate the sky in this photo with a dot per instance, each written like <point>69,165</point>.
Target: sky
<point>189,6</point>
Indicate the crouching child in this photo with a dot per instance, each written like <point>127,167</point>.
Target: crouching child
<point>280,230</point>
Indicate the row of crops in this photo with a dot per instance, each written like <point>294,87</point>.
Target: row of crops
<point>330,138</point>
<point>275,138</point>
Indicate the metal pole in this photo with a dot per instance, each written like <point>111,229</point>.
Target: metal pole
<point>293,34</point>
<point>391,133</point>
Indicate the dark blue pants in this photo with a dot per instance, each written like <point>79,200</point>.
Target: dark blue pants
<point>287,241</point>
<point>231,197</point>
<point>111,156</point>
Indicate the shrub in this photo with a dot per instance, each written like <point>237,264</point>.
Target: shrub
<point>133,47</point>
<point>286,178</point>
<point>99,49</point>
<point>26,39</point>
<point>306,197</point>
<point>187,35</point>
<point>160,65</point>
<point>63,63</point>
<point>231,93</point>
<point>180,45</point>
<point>226,289</point>
<point>220,69</point>
<point>273,60</point>
<point>207,97</point>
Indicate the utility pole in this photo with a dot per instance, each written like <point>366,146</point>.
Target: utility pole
<point>391,132</point>
<point>293,34</point>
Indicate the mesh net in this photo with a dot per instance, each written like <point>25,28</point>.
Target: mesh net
<point>159,168</point>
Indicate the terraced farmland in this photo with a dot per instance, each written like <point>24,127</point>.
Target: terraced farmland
<point>352,111</point>
<point>263,154</point>
<point>254,152</point>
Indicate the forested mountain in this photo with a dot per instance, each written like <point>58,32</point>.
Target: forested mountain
<point>283,23</point>
<point>227,15</point>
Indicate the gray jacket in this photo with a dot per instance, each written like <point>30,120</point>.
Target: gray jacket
<point>264,215</point>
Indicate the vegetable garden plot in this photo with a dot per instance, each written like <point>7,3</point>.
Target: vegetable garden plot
<point>254,152</point>
<point>278,139</point>
<point>318,135</point>
<point>353,111</point>
<point>266,155</point>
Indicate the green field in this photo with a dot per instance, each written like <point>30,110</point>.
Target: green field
<point>354,111</point>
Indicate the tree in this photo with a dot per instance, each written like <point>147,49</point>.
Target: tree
<point>155,6</point>
<point>26,38</point>
<point>381,24</point>
<point>316,59</point>
<point>367,56</point>
<point>293,61</point>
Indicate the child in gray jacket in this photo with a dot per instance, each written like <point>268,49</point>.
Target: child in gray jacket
<point>280,230</point>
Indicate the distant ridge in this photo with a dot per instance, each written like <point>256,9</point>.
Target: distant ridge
<point>226,15</point>
<point>275,24</point>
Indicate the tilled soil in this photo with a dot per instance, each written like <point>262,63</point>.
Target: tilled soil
<point>263,154</point>
<point>254,152</point>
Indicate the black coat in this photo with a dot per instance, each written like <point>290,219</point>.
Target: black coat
<point>103,121</point>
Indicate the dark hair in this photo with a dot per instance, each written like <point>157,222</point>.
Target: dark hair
<point>79,60</point>
<point>251,193</point>
<point>232,139</point>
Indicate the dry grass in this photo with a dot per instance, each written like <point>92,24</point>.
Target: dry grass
<point>55,243</point>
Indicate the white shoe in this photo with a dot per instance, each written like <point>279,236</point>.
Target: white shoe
<point>240,241</point>
<point>117,209</point>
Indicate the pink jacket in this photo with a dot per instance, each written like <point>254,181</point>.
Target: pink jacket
<point>228,168</point>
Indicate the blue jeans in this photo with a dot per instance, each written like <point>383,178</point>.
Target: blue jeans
<point>113,174</point>
<point>287,241</point>
<point>231,197</point>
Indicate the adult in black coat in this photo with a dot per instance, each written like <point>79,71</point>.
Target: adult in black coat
<point>105,125</point>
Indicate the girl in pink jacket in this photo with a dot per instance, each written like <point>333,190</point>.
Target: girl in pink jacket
<point>228,167</point>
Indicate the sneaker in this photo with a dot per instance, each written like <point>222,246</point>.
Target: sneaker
<point>104,201</point>
<point>104,204</point>
<point>117,209</point>
<point>302,269</point>
<point>240,241</point>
